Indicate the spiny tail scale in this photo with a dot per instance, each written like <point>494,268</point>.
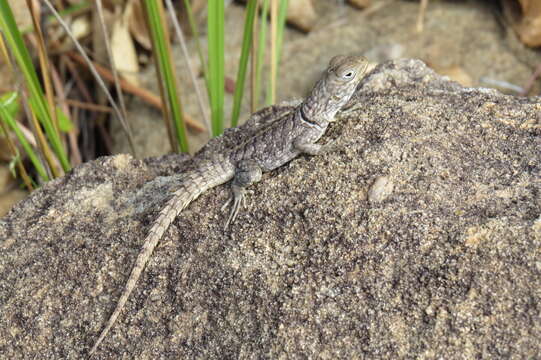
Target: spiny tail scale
<point>194,184</point>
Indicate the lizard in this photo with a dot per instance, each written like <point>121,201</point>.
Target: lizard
<point>284,135</point>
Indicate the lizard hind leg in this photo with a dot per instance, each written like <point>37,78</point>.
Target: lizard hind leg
<point>247,172</point>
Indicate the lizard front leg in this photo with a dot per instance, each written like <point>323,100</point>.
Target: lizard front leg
<point>247,172</point>
<point>310,148</point>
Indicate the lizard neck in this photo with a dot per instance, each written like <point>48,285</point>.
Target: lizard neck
<point>302,115</point>
<point>315,108</point>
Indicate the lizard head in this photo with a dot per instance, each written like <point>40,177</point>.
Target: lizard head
<point>343,75</point>
<point>335,87</point>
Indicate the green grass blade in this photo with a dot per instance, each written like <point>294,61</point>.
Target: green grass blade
<point>64,122</point>
<point>16,159</point>
<point>215,25</point>
<point>162,53</point>
<point>261,46</point>
<point>8,119</point>
<point>10,102</point>
<point>243,62</point>
<point>20,52</point>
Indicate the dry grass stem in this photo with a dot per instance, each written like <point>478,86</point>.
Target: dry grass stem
<point>421,16</point>
<point>146,95</point>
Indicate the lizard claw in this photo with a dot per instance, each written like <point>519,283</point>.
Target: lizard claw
<point>224,206</point>
<point>233,213</point>
<point>237,199</point>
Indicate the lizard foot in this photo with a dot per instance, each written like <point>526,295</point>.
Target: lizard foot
<point>235,200</point>
<point>247,172</point>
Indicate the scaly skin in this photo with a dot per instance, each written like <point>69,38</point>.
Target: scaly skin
<point>286,135</point>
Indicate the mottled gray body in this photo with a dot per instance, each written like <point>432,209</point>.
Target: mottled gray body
<point>284,133</point>
<point>284,136</point>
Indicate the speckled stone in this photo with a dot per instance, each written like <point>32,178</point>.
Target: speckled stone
<point>447,265</point>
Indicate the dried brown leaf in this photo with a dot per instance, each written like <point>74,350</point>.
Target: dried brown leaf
<point>123,49</point>
<point>525,17</point>
<point>80,27</point>
<point>137,24</point>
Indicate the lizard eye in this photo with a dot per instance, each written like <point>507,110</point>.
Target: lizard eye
<point>348,75</point>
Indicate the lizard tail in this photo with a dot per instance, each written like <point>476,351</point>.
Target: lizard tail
<point>195,183</point>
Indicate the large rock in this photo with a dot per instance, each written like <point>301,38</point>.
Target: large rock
<point>419,237</point>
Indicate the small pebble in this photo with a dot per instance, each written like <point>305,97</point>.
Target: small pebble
<point>380,189</point>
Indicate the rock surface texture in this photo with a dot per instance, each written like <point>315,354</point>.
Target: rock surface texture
<point>419,237</point>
